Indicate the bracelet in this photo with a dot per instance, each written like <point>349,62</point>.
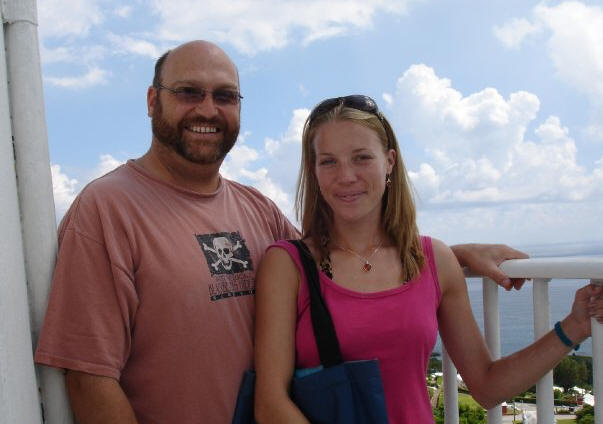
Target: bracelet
<point>563,337</point>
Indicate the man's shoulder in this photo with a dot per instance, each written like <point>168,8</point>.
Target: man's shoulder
<point>118,179</point>
<point>96,198</point>
<point>250,199</point>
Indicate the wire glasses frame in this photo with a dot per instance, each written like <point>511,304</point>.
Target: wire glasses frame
<point>194,95</point>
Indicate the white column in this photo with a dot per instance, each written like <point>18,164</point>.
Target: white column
<point>34,180</point>
<point>19,402</point>
<point>597,335</point>
<point>451,390</point>
<point>542,325</point>
<point>492,334</point>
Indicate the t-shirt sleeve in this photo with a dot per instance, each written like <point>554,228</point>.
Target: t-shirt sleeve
<point>93,301</point>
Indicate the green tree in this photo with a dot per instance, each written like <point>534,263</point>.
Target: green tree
<point>435,363</point>
<point>565,373</point>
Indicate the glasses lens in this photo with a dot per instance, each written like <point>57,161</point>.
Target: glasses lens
<point>189,94</point>
<point>226,97</point>
<point>355,101</point>
<point>363,103</point>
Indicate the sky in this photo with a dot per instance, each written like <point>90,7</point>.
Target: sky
<point>497,105</point>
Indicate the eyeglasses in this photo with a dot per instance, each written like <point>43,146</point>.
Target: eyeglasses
<point>355,101</point>
<point>193,95</point>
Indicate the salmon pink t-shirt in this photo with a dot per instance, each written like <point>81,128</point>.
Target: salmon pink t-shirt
<point>154,286</point>
<point>397,326</point>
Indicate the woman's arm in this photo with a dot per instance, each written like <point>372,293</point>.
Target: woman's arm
<point>491,382</point>
<point>277,283</point>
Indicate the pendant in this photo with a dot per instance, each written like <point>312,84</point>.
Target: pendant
<point>366,267</point>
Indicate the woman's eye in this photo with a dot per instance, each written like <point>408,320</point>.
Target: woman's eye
<point>326,162</point>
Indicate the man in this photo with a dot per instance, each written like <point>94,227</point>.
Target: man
<point>151,309</point>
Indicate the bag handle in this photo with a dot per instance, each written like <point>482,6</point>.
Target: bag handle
<point>322,323</point>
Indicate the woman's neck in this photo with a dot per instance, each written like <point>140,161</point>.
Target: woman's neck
<point>359,237</point>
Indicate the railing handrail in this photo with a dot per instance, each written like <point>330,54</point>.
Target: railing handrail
<point>541,271</point>
<point>578,267</point>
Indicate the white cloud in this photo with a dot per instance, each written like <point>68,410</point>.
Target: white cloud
<point>575,44</point>
<point>453,127</point>
<point>64,189</point>
<point>252,26</point>
<point>513,33</point>
<point>516,223</point>
<point>63,18</point>
<point>291,136</point>
<point>106,163</point>
<point>126,44</point>
<point>94,76</point>
<point>88,54</point>
<point>238,166</point>
<point>480,150</point>
<point>574,34</point>
<point>123,11</point>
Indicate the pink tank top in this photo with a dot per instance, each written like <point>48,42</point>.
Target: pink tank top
<point>397,326</point>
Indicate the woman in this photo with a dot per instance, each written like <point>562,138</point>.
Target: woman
<point>388,289</point>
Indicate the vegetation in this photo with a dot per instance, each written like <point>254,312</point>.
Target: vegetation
<point>574,371</point>
<point>435,363</point>
<point>571,371</point>
<point>586,415</point>
<point>467,414</point>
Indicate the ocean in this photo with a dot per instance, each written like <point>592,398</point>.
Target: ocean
<point>516,319</point>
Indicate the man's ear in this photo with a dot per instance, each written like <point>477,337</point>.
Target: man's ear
<point>152,94</point>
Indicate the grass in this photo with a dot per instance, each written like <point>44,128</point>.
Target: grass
<point>464,399</point>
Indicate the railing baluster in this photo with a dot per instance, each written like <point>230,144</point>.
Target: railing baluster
<point>492,334</point>
<point>542,325</point>
<point>597,335</point>
<point>451,390</point>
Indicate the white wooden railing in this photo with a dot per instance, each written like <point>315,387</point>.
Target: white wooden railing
<point>541,271</point>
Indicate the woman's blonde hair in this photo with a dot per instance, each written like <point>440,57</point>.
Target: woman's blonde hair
<point>398,212</point>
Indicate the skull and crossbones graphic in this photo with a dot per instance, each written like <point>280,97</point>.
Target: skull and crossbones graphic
<point>224,249</point>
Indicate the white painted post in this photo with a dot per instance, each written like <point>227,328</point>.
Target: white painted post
<point>492,334</point>
<point>544,388</point>
<point>34,180</point>
<point>597,336</point>
<point>19,402</point>
<point>451,390</point>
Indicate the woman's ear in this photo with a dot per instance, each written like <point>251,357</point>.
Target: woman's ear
<point>391,160</point>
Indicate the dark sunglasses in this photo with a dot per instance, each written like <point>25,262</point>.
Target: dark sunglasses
<point>193,95</point>
<point>355,101</point>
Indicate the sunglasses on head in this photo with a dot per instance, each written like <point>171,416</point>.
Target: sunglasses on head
<point>354,101</point>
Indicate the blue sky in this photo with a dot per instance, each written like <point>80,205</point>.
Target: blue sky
<point>497,105</point>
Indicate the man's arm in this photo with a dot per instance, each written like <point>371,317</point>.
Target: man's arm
<point>484,259</point>
<point>97,400</point>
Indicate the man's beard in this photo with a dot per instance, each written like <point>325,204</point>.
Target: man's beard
<point>173,137</point>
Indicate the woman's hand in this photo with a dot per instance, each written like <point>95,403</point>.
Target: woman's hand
<point>588,303</point>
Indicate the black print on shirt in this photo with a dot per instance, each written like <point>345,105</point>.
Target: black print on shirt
<point>226,253</point>
<point>227,259</point>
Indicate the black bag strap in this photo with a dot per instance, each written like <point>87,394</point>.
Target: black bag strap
<point>322,323</point>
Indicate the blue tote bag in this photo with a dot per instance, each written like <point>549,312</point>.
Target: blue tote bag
<point>338,392</point>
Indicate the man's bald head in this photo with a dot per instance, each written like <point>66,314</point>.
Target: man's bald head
<point>201,47</point>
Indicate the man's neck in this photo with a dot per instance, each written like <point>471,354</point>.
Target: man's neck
<point>168,166</point>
